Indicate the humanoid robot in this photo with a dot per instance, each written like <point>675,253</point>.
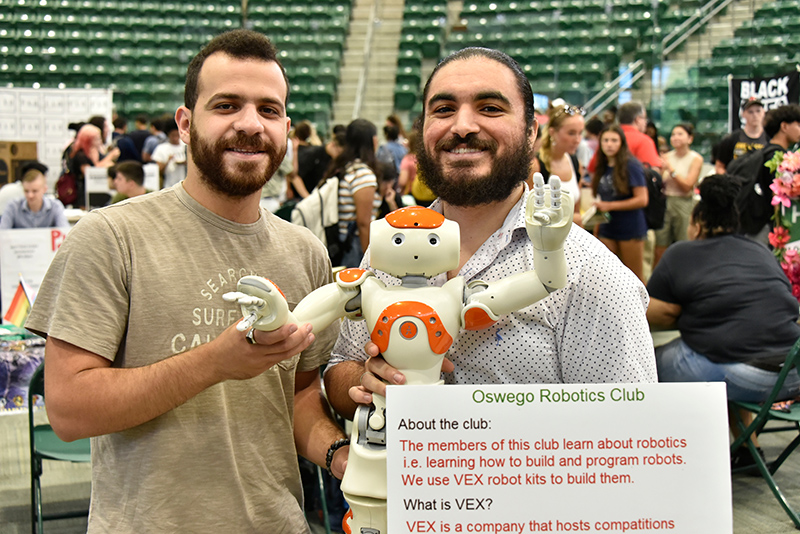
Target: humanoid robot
<point>413,324</point>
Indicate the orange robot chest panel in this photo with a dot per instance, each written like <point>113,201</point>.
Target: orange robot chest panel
<point>438,337</point>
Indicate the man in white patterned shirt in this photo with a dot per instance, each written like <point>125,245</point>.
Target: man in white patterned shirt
<point>478,130</point>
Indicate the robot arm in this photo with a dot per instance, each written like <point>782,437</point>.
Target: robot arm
<point>548,221</point>
<point>264,306</point>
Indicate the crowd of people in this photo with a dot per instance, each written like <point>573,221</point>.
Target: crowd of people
<point>169,388</point>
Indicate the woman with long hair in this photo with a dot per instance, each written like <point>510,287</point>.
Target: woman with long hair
<point>85,152</point>
<point>358,171</point>
<point>681,171</point>
<point>556,154</point>
<point>619,182</point>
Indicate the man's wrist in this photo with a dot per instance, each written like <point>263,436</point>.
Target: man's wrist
<point>335,446</point>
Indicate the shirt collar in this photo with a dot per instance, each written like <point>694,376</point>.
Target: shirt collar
<point>491,248</point>
<point>46,205</point>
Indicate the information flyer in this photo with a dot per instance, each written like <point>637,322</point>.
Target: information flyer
<point>558,458</point>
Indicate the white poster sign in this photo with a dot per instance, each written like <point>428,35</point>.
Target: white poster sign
<point>558,458</point>
<point>26,252</point>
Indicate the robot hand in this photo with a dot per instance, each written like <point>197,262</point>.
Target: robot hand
<point>263,304</point>
<point>548,218</point>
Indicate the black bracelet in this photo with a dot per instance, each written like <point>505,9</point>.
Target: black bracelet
<point>335,446</point>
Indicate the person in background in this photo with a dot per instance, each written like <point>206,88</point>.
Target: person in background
<point>105,130</point>
<point>782,128</point>
<point>651,130</point>
<point>408,168</point>
<point>739,142</point>
<point>34,210</point>
<point>171,155</point>
<point>557,152</point>
<point>128,180</point>
<point>196,426</point>
<point>589,143</point>
<point>85,152</point>
<point>123,141</point>
<point>393,149</point>
<point>359,202</point>
<point>610,115</point>
<point>304,142</point>
<point>731,302</point>
<point>618,182</point>
<point>681,171</point>
<point>13,190</point>
<point>120,128</point>
<point>632,118</point>
<point>139,134</point>
<point>312,167</point>
<point>156,137</point>
<point>394,120</point>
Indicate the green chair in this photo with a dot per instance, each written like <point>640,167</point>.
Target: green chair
<point>763,415</point>
<point>45,445</point>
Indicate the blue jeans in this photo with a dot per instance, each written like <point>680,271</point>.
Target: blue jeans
<point>676,362</point>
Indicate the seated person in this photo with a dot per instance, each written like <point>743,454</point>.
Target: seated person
<point>128,180</point>
<point>34,210</point>
<point>730,300</point>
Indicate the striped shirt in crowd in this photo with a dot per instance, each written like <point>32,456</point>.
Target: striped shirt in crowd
<point>357,176</point>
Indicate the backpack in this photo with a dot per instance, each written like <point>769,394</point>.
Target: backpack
<point>319,212</point>
<point>657,201</point>
<point>67,183</point>
<point>754,204</point>
<point>67,188</point>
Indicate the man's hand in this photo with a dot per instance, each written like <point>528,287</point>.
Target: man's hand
<point>548,217</point>
<point>378,373</point>
<point>239,359</point>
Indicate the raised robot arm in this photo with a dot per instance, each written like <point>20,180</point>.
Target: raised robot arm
<point>264,306</point>
<point>548,219</point>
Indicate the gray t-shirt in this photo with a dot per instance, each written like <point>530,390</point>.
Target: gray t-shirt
<point>142,280</point>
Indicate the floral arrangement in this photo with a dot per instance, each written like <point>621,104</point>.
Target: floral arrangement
<point>785,188</point>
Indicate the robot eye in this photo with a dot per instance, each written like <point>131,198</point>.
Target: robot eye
<point>398,239</point>
<point>433,239</point>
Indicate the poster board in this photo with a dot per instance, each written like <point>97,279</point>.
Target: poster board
<point>772,91</point>
<point>44,115</point>
<point>27,252</point>
<point>558,458</point>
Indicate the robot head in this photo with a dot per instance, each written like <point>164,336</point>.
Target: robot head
<point>414,241</point>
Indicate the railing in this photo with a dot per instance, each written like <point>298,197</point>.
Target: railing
<point>613,88</point>
<point>691,25</point>
<point>669,43</point>
<point>362,76</point>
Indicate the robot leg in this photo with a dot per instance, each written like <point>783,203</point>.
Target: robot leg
<point>364,482</point>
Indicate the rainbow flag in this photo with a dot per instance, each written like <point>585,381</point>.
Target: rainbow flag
<point>20,307</point>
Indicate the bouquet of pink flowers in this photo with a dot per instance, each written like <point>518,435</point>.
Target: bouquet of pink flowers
<point>785,188</point>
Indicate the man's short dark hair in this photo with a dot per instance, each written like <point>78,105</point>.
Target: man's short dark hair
<point>594,126</point>
<point>775,117</point>
<point>629,111</point>
<point>142,119</point>
<point>523,84</point>
<point>132,170</point>
<point>120,122</point>
<point>239,44</point>
<point>391,133</point>
<point>169,125</point>
<point>303,130</point>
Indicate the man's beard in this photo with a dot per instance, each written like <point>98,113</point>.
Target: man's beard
<point>245,179</point>
<point>461,189</point>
